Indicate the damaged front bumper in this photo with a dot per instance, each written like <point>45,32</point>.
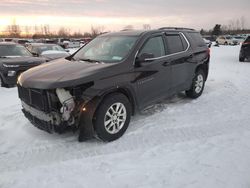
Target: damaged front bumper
<point>49,122</point>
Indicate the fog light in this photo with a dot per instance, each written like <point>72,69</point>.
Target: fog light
<point>11,73</point>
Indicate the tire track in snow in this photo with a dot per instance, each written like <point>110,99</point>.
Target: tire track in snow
<point>46,155</point>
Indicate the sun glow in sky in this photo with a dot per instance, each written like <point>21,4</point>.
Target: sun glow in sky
<point>80,15</point>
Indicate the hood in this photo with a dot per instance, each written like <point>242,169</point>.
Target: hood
<point>22,61</point>
<point>52,55</point>
<point>62,73</point>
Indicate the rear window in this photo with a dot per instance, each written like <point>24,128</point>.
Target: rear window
<point>248,39</point>
<point>197,39</point>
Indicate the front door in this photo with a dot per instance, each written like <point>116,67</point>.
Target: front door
<point>153,79</point>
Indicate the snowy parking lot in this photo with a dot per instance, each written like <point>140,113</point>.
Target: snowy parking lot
<point>179,143</point>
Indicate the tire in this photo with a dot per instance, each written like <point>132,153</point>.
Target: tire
<point>225,43</point>
<point>197,86</point>
<point>241,59</point>
<point>113,108</point>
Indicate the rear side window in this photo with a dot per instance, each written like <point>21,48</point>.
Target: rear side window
<point>248,39</point>
<point>154,46</point>
<point>197,39</point>
<point>174,43</point>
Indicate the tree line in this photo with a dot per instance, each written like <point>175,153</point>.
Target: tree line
<point>234,27</point>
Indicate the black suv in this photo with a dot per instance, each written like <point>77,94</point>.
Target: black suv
<point>15,59</point>
<point>245,50</point>
<point>98,88</point>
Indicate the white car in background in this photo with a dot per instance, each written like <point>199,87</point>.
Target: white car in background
<point>226,40</point>
<point>239,39</point>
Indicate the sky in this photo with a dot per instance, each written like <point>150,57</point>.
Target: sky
<point>112,15</point>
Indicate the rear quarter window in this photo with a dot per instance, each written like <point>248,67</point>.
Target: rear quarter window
<point>248,39</point>
<point>197,39</point>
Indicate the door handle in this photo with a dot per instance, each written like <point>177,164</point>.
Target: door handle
<point>191,56</point>
<point>167,63</point>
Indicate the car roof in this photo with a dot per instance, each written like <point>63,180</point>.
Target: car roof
<point>8,44</point>
<point>41,44</point>
<point>141,32</point>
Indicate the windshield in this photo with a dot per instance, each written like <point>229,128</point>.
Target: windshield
<point>13,50</point>
<point>42,49</point>
<point>228,37</point>
<point>107,49</point>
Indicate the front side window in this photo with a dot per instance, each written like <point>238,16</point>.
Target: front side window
<point>197,39</point>
<point>107,49</point>
<point>154,46</point>
<point>13,50</point>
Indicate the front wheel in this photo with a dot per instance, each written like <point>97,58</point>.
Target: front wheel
<point>112,117</point>
<point>197,85</point>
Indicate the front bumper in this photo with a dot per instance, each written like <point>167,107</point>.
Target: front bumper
<point>10,80</point>
<point>49,122</point>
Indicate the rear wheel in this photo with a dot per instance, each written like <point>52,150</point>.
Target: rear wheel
<point>112,117</point>
<point>197,85</point>
<point>241,59</point>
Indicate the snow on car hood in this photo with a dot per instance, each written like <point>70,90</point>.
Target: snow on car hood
<point>53,52</point>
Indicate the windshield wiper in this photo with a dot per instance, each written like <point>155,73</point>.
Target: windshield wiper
<point>90,60</point>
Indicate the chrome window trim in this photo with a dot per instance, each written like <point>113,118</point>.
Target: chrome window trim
<point>169,55</point>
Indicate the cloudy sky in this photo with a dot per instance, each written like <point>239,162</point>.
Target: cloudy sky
<point>79,15</point>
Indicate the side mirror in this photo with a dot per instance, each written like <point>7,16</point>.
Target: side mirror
<point>144,58</point>
<point>67,50</point>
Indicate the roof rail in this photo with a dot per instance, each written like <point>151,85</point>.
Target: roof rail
<point>176,28</point>
<point>127,30</point>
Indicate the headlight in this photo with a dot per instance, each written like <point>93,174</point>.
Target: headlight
<point>11,73</point>
<point>10,66</point>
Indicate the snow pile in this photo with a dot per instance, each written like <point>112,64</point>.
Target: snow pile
<point>178,143</point>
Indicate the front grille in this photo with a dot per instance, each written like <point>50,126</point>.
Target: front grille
<point>34,97</point>
<point>43,125</point>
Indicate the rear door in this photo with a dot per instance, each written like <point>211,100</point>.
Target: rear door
<point>181,61</point>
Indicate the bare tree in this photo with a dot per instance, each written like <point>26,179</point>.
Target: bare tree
<point>128,27</point>
<point>97,30</point>
<point>14,30</point>
<point>237,23</point>
<point>146,26</point>
<point>242,22</point>
<point>63,32</point>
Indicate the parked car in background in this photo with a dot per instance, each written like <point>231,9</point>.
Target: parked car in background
<point>15,59</point>
<point>8,40</point>
<point>21,41</point>
<point>239,39</point>
<point>226,40</point>
<point>97,89</point>
<point>245,50</point>
<point>67,43</point>
<point>48,51</point>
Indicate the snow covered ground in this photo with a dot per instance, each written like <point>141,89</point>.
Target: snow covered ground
<point>179,143</point>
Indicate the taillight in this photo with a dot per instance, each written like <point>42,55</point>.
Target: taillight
<point>208,51</point>
<point>245,43</point>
